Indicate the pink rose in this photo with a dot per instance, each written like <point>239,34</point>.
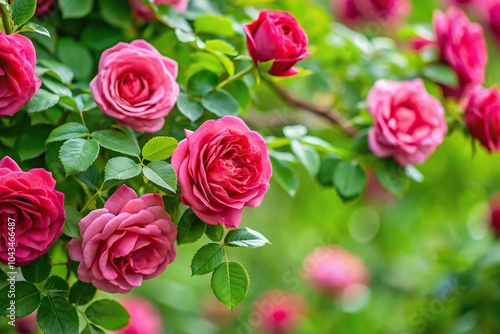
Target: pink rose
<point>382,13</point>
<point>493,18</point>
<point>462,46</point>
<point>482,115</point>
<point>136,85</point>
<point>408,122</point>
<point>142,11</point>
<point>277,35</point>
<point>19,81</point>
<point>222,167</point>
<point>278,312</point>
<point>144,317</point>
<point>43,7</point>
<point>30,208</point>
<point>27,324</point>
<point>129,240</point>
<point>332,270</point>
<point>494,218</point>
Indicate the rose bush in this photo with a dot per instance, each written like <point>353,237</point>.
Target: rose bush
<point>136,85</point>
<point>30,201</point>
<point>222,167</point>
<point>130,240</point>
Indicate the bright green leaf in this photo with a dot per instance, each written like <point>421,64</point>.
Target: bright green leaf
<point>67,131</point>
<point>285,177</point>
<point>42,100</point>
<point>75,9</point>
<point>190,228</point>
<point>121,168</point>
<point>117,141</point>
<point>230,283</point>
<point>159,148</point>
<point>108,313</point>
<point>162,174</point>
<point>245,237</point>
<point>307,155</point>
<point>442,74</point>
<point>78,154</point>
<point>206,259</point>
<point>22,11</point>
<point>214,24</point>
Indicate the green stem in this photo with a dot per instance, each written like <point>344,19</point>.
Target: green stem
<point>83,120</point>
<point>5,19</point>
<point>98,192</point>
<point>236,76</point>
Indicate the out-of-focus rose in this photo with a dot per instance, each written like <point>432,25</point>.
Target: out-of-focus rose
<point>494,218</point>
<point>136,85</point>
<point>142,11</point>
<point>277,35</point>
<point>376,13</point>
<point>129,240</point>
<point>27,324</point>
<point>482,115</point>
<point>222,167</point>
<point>43,7</point>
<point>144,317</point>
<point>19,81</point>
<point>332,270</point>
<point>462,46</point>
<point>218,313</point>
<point>278,312</point>
<point>492,18</point>
<point>408,122</point>
<point>31,212</point>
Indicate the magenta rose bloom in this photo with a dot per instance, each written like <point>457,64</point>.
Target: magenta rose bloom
<point>43,7</point>
<point>129,240</point>
<point>378,13</point>
<point>144,317</point>
<point>30,208</point>
<point>462,46</point>
<point>492,17</point>
<point>408,122</point>
<point>136,85</point>
<point>222,167</point>
<point>142,11</point>
<point>18,80</point>
<point>332,270</point>
<point>482,115</point>
<point>277,35</point>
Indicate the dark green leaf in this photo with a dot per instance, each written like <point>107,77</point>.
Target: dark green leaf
<point>55,286</point>
<point>159,148</point>
<point>115,13</point>
<point>202,82</point>
<point>328,165</point>
<point>190,228</point>
<point>190,108</point>
<point>108,313</point>
<point>75,9</point>
<point>22,11</point>
<point>42,100</point>
<point>121,168</point>
<point>81,293</point>
<point>215,232</point>
<point>117,141</point>
<point>38,270</point>
<point>285,177</point>
<point>245,237</point>
<point>307,155</point>
<point>27,298</point>
<point>71,224</point>
<point>57,315</point>
<point>391,176</point>
<point>349,180</point>
<point>78,154</point>
<point>92,329</point>
<point>220,103</point>
<point>230,283</point>
<point>240,92</point>
<point>33,27</point>
<point>31,143</point>
<point>76,56</point>
<point>60,71</point>
<point>206,259</point>
<point>67,131</point>
<point>162,174</point>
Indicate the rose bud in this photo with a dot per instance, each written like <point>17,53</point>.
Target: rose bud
<point>482,115</point>
<point>408,122</point>
<point>129,240</point>
<point>17,70</point>
<point>492,17</point>
<point>27,324</point>
<point>332,270</point>
<point>141,11</point>
<point>222,167</point>
<point>462,46</point>
<point>278,312</point>
<point>144,317</point>
<point>136,85</point>
<point>43,7</point>
<point>31,211</point>
<point>277,36</point>
<point>385,15</point>
<point>217,313</point>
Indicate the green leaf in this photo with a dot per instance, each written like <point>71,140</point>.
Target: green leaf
<point>442,74</point>
<point>121,168</point>
<point>56,286</point>
<point>206,259</point>
<point>30,144</point>
<point>190,108</point>
<point>295,131</point>
<point>75,9</point>
<point>349,180</point>
<point>36,28</point>
<point>215,232</point>
<point>240,92</point>
<point>82,293</point>
<point>214,24</point>
<point>38,270</point>
<point>76,56</point>
<point>414,174</point>
<point>220,103</point>
<point>159,148</point>
<point>307,155</point>
<point>71,224</point>
<point>27,298</point>
<point>99,36</point>
<point>56,87</point>
<point>67,131</point>
<point>117,141</point>
<point>57,315</point>
<point>108,313</point>
<point>230,283</point>
<point>190,228</point>
<point>42,100</point>
<point>202,82</point>
<point>60,71</point>
<point>22,11</point>
<point>219,46</point>
<point>92,329</point>
<point>391,176</point>
<point>162,174</point>
<point>285,177</point>
<point>115,13</point>
<point>245,237</point>
<point>265,66</point>
<point>326,171</point>
<point>78,154</point>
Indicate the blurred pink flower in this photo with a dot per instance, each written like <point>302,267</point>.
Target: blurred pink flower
<point>142,11</point>
<point>278,312</point>
<point>331,270</point>
<point>144,317</point>
<point>43,7</point>
<point>27,324</point>
<point>218,313</point>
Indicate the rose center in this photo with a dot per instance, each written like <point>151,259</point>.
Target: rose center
<point>134,88</point>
